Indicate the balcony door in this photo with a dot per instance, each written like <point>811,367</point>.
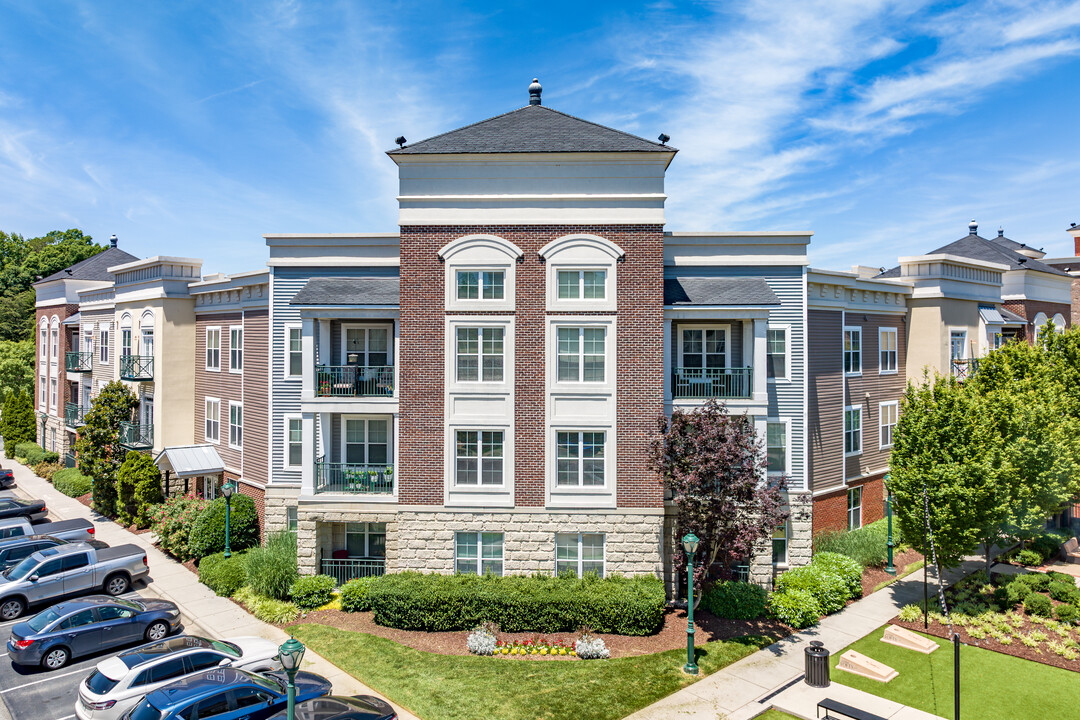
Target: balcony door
<point>365,346</point>
<point>146,411</point>
<point>365,441</point>
<point>704,349</point>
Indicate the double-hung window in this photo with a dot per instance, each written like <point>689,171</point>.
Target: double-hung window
<point>52,392</point>
<point>887,350</point>
<point>103,344</point>
<point>481,284</point>
<point>236,349</point>
<point>580,459</point>
<point>43,344</point>
<point>41,400</point>
<point>365,540</point>
<point>367,441</point>
<point>888,412</point>
<point>581,354</point>
<point>236,425</point>
<point>479,457</point>
<point>776,443</point>
<point>852,430</point>
<point>779,545</point>
<point>582,284</point>
<point>579,553</point>
<point>125,342</point>
<point>213,420</point>
<point>213,348</point>
<point>478,553</point>
<point>480,354</point>
<point>853,351</point>
<point>54,342</point>
<point>295,367</point>
<point>776,353</point>
<point>854,508</point>
<point>294,441</point>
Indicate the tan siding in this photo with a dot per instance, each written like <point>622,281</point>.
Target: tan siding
<point>873,388</point>
<point>825,351</point>
<point>256,368</point>
<point>222,385</point>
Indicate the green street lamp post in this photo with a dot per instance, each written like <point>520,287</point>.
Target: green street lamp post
<point>690,545</point>
<point>227,490</point>
<point>890,568</point>
<point>291,653</point>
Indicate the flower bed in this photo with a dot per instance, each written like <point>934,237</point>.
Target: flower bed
<point>538,646</point>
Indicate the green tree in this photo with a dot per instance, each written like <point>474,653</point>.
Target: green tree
<point>16,366</point>
<point>19,423</point>
<point>138,486</point>
<point>98,444</point>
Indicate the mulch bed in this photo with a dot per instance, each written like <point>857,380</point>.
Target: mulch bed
<point>87,499</point>
<point>670,636</point>
<point>874,576</point>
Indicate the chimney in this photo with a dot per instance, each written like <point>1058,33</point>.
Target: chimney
<point>1075,232</point>
<point>534,92</point>
<point>113,241</point>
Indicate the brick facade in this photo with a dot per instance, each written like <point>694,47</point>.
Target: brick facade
<point>1028,309</point>
<point>830,511</point>
<point>53,425</point>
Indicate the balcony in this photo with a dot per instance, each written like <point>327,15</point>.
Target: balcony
<point>354,479</point>
<point>136,367</point>
<point>705,383</point>
<point>136,436</point>
<point>347,569</point>
<point>75,415</point>
<point>964,367</point>
<point>354,380</point>
<point>78,362</point>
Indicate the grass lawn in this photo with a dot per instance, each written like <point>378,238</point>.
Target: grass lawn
<point>448,687</point>
<point>774,714</point>
<point>992,685</point>
<point>917,565</point>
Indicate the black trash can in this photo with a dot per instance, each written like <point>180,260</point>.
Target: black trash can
<point>817,665</point>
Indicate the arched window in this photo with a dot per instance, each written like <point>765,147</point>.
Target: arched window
<point>146,334</point>
<point>43,339</point>
<point>125,335</point>
<point>54,339</point>
<point>581,272</point>
<point>480,272</point>
<point>1059,323</point>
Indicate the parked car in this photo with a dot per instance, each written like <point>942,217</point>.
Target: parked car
<point>15,549</point>
<point>7,478</point>
<point>337,707</point>
<point>32,510</point>
<point>76,568</point>
<point>226,693</point>
<point>120,682</point>
<point>89,625</point>
<point>77,530</point>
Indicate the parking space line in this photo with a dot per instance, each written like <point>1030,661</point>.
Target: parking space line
<point>66,717</point>
<point>38,682</point>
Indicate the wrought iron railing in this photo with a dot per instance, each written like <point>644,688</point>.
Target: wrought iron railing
<point>78,362</point>
<point>136,367</point>
<point>702,383</point>
<point>136,436</point>
<point>74,414</point>
<point>347,569</point>
<point>964,367</point>
<point>354,380</point>
<point>354,479</point>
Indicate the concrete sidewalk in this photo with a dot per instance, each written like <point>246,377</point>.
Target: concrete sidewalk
<point>203,612</point>
<point>772,677</point>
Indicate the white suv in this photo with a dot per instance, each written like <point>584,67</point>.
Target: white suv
<point>120,682</point>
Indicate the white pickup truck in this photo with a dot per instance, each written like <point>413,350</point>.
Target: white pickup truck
<point>77,530</point>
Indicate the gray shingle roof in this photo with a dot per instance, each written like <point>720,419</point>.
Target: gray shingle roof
<point>718,291</point>
<point>979,248</point>
<point>533,128</point>
<point>95,267</point>
<point>349,291</point>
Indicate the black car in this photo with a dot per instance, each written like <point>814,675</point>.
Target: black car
<point>338,707</point>
<point>32,510</point>
<point>7,478</point>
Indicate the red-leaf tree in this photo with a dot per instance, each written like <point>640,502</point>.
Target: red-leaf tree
<point>715,466</point>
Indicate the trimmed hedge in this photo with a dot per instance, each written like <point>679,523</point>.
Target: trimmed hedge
<point>797,608</point>
<point>849,570</point>
<point>1064,592</point>
<point>208,531</point>
<point>71,482</point>
<point>33,453</point>
<point>1036,604</point>
<point>735,600</point>
<point>47,470</point>
<point>828,588</point>
<point>354,594</point>
<point>829,581</point>
<point>415,601</point>
<point>1068,614</point>
<point>311,591</point>
<point>225,576</point>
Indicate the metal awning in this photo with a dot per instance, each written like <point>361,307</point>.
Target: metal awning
<point>990,315</point>
<point>1011,318</point>
<point>73,320</point>
<point>190,460</point>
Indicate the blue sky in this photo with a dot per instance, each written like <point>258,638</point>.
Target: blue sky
<point>193,128</point>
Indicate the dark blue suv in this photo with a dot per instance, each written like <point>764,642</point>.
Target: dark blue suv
<point>226,694</point>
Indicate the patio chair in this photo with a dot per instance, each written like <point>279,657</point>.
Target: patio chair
<point>1070,551</point>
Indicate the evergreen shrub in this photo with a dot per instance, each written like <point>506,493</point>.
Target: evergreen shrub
<point>354,594</point>
<point>311,591</point>
<point>736,600</point>
<point>71,482</point>
<point>208,530</point>
<point>225,576</point>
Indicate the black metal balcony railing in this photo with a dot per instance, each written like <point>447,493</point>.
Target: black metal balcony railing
<point>354,479</point>
<point>136,367</point>
<point>354,380</point>
<point>703,383</point>
<point>74,415</point>
<point>964,367</point>
<point>347,569</point>
<point>78,362</point>
<point>136,436</point>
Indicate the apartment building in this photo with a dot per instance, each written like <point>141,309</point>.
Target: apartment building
<point>476,392</point>
<point>1071,266</point>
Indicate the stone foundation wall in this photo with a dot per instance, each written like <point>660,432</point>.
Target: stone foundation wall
<point>276,503</point>
<point>320,531</point>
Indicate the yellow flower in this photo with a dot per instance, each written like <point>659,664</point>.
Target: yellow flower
<point>562,651</point>
<point>513,651</point>
<point>543,651</point>
<point>533,652</point>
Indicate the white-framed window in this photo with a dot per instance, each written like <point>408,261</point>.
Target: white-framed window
<point>478,457</point>
<point>582,284</point>
<point>88,343</point>
<point>236,425</point>
<point>580,458</point>
<point>54,339</point>
<point>294,441</point>
<point>481,284</point>
<point>43,340</point>
<point>579,553</point>
<point>42,394</point>
<point>854,508</point>
<point>704,347</point>
<point>213,420</point>
<point>852,430</point>
<point>292,520</point>
<point>1059,323</point>
<point>365,539</point>
<point>581,354</point>
<point>213,349</point>
<point>125,342</point>
<point>478,553</point>
<point>853,351</point>
<point>367,346</point>
<point>294,351</point>
<point>52,392</point>
<point>236,349</point>
<point>776,352</point>
<point>366,441</point>
<point>103,344</point>
<point>958,344</point>
<point>776,446</point>
<point>887,357</point>
<point>480,354</point>
<point>780,545</point>
<point>888,412</point>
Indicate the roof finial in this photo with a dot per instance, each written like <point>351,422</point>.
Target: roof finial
<point>534,92</point>
<point>1001,231</point>
<point>973,227</point>
<point>113,241</point>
